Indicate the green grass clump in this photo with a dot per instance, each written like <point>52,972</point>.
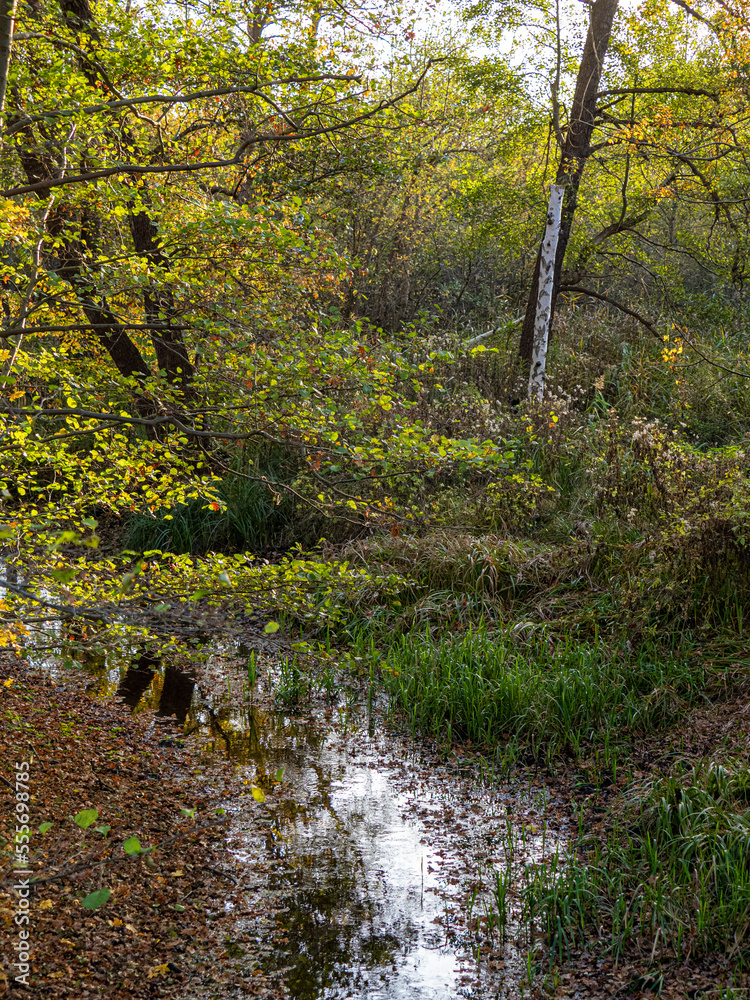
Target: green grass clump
<point>675,881</point>
<point>487,685</point>
<point>250,519</point>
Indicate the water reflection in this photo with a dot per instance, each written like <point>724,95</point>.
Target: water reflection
<point>354,890</point>
<point>176,694</point>
<point>137,679</point>
<point>344,892</point>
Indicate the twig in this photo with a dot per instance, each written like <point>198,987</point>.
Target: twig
<point>67,609</point>
<point>217,871</point>
<point>39,756</point>
<point>715,364</point>
<point>107,788</point>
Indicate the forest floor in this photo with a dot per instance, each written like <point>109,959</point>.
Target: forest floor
<point>164,928</point>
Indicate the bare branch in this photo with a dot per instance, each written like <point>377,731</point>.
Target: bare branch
<point>714,364</point>
<point>197,95</point>
<point>275,137</point>
<point>691,91</point>
<point>695,13</point>
<point>117,418</point>
<point>647,323</point>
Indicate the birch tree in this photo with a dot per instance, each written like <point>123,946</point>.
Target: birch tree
<point>545,285</point>
<point>575,151</point>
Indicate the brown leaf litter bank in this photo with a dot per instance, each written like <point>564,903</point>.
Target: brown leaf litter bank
<point>164,931</point>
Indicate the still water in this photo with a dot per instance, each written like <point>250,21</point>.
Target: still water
<point>355,873</point>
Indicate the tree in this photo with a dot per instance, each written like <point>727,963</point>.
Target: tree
<point>168,316</point>
<point>575,152</point>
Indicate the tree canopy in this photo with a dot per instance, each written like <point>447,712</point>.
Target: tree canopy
<point>250,252</point>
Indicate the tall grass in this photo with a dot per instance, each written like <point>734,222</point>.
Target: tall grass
<point>488,685</point>
<point>675,882</point>
<point>249,521</point>
<point>253,516</point>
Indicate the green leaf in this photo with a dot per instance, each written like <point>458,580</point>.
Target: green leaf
<point>179,908</point>
<point>280,775</point>
<point>96,899</point>
<point>63,575</point>
<point>132,846</point>
<point>103,829</point>
<point>271,627</point>
<point>190,813</point>
<point>86,817</point>
<point>43,827</point>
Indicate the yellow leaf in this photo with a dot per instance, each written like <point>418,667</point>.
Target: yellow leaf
<point>46,904</point>
<point>257,793</point>
<point>158,970</point>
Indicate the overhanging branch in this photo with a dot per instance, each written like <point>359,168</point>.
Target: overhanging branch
<point>647,323</point>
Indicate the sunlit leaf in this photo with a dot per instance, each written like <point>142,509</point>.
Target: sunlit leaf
<point>86,818</point>
<point>96,899</point>
<point>132,846</point>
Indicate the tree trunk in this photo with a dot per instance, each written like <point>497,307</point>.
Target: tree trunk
<point>543,312</point>
<point>7,18</point>
<point>574,154</point>
<point>159,305</point>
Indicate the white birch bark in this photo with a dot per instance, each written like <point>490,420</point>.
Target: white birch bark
<point>544,298</point>
<point>7,18</point>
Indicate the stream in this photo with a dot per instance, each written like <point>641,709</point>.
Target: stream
<point>367,871</point>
